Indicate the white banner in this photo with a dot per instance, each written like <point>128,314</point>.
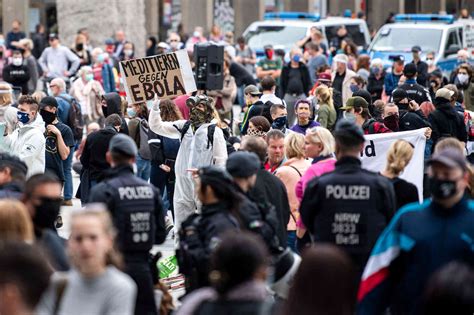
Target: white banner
<point>374,155</point>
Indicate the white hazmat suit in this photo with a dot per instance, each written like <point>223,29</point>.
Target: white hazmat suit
<point>193,154</point>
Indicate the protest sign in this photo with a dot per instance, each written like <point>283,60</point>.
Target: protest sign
<point>374,155</point>
<point>165,75</point>
<point>468,36</point>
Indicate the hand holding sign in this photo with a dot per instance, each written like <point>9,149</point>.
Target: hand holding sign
<point>164,76</point>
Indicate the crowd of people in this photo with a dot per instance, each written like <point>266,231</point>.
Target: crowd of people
<point>260,184</point>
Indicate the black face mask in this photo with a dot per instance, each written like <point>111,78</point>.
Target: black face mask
<point>48,117</point>
<point>442,189</point>
<point>47,212</point>
<point>104,110</point>
<point>391,122</point>
<point>80,46</point>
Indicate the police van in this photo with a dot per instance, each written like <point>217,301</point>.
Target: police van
<point>284,29</point>
<point>433,33</point>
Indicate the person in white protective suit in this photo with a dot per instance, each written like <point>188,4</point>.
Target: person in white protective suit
<point>197,150</point>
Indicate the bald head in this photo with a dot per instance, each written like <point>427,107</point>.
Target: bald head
<point>120,36</point>
<point>463,55</point>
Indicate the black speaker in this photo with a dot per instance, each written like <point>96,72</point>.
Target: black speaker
<point>209,71</point>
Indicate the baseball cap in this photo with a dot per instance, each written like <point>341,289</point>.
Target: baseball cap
<point>48,101</point>
<point>243,164</point>
<point>252,90</point>
<point>163,45</point>
<point>416,48</point>
<point>449,158</point>
<point>364,94</point>
<point>444,93</point>
<point>398,58</point>
<point>266,47</point>
<point>122,143</point>
<point>324,77</point>
<point>341,58</point>
<point>409,69</point>
<point>349,132</point>
<point>109,41</point>
<point>355,101</point>
<point>53,36</point>
<point>398,95</point>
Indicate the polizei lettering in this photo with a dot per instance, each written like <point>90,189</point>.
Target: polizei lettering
<point>350,192</point>
<point>135,192</point>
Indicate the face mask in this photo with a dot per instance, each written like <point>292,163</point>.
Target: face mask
<point>100,58</point>
<point>269,53</point>
<point>2,42</point>
<point>47,212</point>
<point>80,46</point>
<point>255,132</point>
<point>89,77</point>
<point>17,61</point>
<point>131,112</point>
<point>375,70</point>
<point>349,116</point>
<point>429,62</point>
<point>442,189</point>
<point>196,34</point>
<point>463,78</point>
<point>197,117</point>
<point>174,45</point>
<point>354,88</point>
<point>434,83</point>
<point>128,52</point>
<point>460,61</point>
<point>391,122</point>
<point>149,104</point>
<point>280,122</point>
<point>104,110</point>
<point>48,117</point>
<point>23,117</point>
<point>296,58</point>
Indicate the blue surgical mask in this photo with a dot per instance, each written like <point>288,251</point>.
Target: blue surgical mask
<point>131,112</point>
<point>2,42</point>
<point>23,117</point>
<point>375,70</point>
<point>296,58</point>
<point>149,104</point>
<point>279,122</point>
<point>101,58</point>
<point>354,88</point>
<point>349,116</point>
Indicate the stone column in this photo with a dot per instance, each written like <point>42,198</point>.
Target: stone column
<point>15,10</point>
<point>246,12</point>
<point>152,18</point>
<point>102,19</point>
<point>197,13</point>
<point>299,5</point>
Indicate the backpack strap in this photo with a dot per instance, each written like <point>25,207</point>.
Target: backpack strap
<point>297,171</point>
<point>210,135</point>
<point>60,289</point>
<point>183,130</point>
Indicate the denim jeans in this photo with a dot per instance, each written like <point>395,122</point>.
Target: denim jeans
<point>162,180</point>
<point>143,168</point>
<point>67,167</point>
<point>291,241</point>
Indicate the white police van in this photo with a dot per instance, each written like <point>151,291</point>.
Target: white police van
<point>284,29</point>
<point>433,33</point>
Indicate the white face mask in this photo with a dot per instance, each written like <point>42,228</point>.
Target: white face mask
<point>463,77</point>
<point>430,62</point>
<point>128,52</point>
<point>17,61</point>
<point>197,34</point>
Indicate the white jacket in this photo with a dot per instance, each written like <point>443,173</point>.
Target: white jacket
<point>28,143</point>
<point>346,85</point>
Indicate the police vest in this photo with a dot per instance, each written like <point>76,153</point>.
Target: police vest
<point>134,213</point>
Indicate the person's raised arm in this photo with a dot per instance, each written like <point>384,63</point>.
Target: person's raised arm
<point>169,129</point>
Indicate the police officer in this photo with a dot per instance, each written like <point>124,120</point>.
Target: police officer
<point>138,215</point>
<point>415,91</point>
<point>350,206</point>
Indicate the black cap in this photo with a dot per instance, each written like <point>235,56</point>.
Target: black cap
<point>409,70</point>
<point>364,94</point>
<point>123,144</point>
<point>53,36</point>
<point>349,132</point>
<point>214,175</point>
<point>13,161</point>
<point>48,101</point>
<point>398,58</point>
<point>398,95</point>
<point>268,46</point>
<point>243,164</point>
<point>416,48</point>
<point>450,159</point>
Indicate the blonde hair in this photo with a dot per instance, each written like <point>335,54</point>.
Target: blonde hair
<point>294,145</point>
<point>15,221</point>
<point>398,156</point>
<point>325,93</point>
<point>38,96</point>
<point>99,211</point>
<point>449,144</point>
<point>322,135</point>
<point>6,96</point>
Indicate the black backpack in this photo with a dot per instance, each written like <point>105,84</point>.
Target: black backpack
<point>210,132</point>
<point>75,120</point>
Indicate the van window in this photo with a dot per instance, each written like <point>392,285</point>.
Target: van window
<point>399,39</point>
<point>354,31</point>
<point>452,40</point>
<point>282,36</point>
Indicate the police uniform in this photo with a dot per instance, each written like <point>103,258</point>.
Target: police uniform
<point>348,207</point>
<point>415,91</point>
<point>138,215</point>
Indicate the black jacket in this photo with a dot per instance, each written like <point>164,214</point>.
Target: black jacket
<point>422,73</point>
<point>114,104</point>
<point>305,78</point>
<point>136,209</point>
<point>447,122</point>
<point>18,76</point>
<point>269,188</point>
<point>241,75</point>
<point>93,154</point>
<point>348,207</point>
<point>416,92</point>
<point>375,86</point>
<point>412,120</point>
